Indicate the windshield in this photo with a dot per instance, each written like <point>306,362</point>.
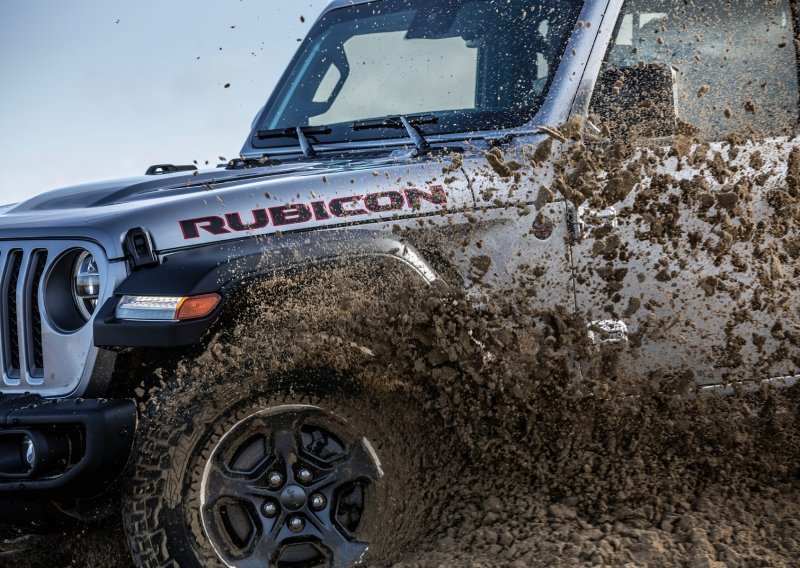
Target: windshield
<point>467,66</point>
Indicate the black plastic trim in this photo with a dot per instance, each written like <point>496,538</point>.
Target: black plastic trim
<point>225,267</point>
<point>111,332</point>
<point>108,428</point>
<point>160,169</point>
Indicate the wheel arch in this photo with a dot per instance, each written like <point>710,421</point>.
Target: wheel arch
<point>232,268</point>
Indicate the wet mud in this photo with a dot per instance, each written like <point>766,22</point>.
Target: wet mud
<point>540,448</point>
<point>523,466</point>
<point>517,461</point>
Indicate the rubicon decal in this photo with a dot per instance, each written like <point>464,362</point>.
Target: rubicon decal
<point>340,208</point>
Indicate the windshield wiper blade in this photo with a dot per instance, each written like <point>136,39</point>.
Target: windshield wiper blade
<point>299,132</point>
<point>410,123</point>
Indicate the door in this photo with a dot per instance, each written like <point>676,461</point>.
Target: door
<point>519,241</point>
<point>690,241</point>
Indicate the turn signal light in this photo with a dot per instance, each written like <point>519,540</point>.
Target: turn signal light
<point>195,307</point>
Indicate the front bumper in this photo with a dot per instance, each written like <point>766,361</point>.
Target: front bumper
<point>80,446</point>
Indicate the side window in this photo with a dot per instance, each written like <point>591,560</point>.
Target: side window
<point>721,66</point>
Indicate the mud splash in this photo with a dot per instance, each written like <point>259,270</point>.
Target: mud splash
<point>528,444</point>
<point>517,461</point>
<point>535,447</point>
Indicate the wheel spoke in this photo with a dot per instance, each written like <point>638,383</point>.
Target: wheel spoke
<point>358,465</point>
<point>266,546</point>
<point>221,483</point>
<point>344,551</point>
<point>361,463</point>
<point>285,442</point>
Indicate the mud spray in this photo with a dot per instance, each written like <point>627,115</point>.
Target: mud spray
<point>513,454</point>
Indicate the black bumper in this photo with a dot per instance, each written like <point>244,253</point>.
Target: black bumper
<point>83,445</point>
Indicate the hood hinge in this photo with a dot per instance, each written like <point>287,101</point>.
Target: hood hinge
<point>581,220</point>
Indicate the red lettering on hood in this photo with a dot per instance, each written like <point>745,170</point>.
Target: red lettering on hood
<point>410,198</point>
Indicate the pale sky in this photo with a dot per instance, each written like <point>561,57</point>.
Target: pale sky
<point>99,89</point>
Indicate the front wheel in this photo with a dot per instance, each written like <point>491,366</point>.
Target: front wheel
<point>231,476</point>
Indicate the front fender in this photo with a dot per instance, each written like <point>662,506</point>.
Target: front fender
<point>225,267</point>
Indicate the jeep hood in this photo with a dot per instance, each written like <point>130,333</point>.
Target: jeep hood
<point>129,190</point>
<point>162,205</point>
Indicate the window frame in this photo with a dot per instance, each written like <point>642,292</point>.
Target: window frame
<point>583,105</point>
<point>483,121</point>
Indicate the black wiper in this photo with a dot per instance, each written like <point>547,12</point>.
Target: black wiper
<point>410,124</point>
<point>299,132</point>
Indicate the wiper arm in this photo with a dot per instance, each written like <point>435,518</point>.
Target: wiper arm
<point>416,135</point>
<point>305,145</point>
<point>409,123</point>
<point>299,132</point>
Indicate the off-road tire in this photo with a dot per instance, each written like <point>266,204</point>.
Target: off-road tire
<point>177,434</point>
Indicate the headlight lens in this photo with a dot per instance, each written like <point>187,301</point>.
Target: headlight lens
<point>167,308</point>
<point>86,284</point>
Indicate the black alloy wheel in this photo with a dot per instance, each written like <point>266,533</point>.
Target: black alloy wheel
<point>288,486</point>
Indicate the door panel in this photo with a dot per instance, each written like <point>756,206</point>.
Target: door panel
<point>519,230</point>
<point>701,264</point>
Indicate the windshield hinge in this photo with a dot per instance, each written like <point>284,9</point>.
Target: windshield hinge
<point>608,333</point>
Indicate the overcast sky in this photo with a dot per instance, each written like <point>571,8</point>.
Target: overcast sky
<point>98,89</point>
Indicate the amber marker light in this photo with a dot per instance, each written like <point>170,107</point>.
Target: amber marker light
<point>195,307</point>
<point>167,308</point>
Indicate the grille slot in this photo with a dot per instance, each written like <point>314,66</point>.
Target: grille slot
<point>11,315</point>
<point>35,349</point>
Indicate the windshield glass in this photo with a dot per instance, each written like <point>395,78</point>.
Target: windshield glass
<point>472,65</point>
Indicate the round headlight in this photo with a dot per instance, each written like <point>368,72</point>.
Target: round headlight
<point>85,284</point>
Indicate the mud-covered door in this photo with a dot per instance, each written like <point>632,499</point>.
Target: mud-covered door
<point>519,240</point>
<point>690,241</point>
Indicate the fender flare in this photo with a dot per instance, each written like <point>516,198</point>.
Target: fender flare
<point>225,267</point>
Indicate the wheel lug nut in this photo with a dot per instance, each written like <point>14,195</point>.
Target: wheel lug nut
<point>305,475</point>
<point>270,509</point>
<point>296,524</point>
<point>318,501</point>
<point>275,479</point>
